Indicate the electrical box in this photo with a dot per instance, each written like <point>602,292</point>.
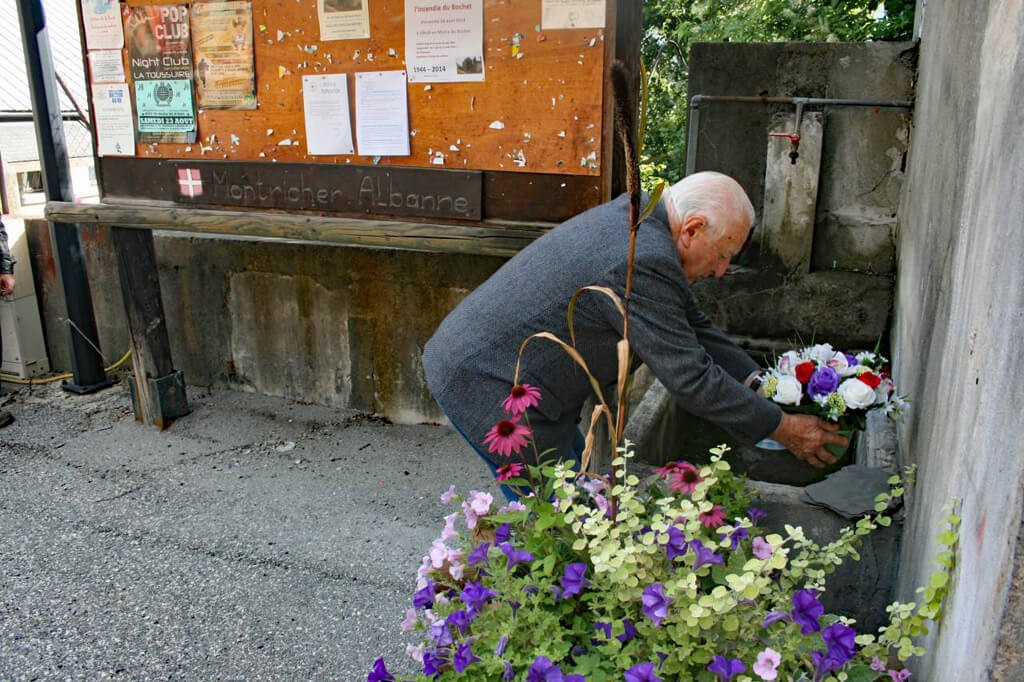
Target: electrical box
<point>24,348</point>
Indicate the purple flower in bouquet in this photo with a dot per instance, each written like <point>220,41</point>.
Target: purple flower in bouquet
<point>475,595</point>
<point>464,657</point>
<point>655,602</point>
<point>807,610</point>
<point>825,380</point>
<point>573,579</point>
<point>726,668</point>
<point>379,673</point>
<point>642,672</point>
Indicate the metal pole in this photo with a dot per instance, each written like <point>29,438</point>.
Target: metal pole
<point>86,362</point>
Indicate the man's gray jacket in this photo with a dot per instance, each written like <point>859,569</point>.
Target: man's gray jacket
<point>470,360</point>
<point>6,262</point>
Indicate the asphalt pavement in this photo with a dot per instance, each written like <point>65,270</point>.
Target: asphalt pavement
<point>255,539</point>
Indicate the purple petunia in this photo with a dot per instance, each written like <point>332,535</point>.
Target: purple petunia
<point>543,670</point>
<point>841,642</point>
<point>502,534</point>
<point>655,603</point>
<point>474,596</point>
<point>479,555</point>
<point>515,556</point>
<point>440,632</point>
<point>756,514</point>
<point>676,545</point>
<point>502,643</point>
<point>424,598</point>
<point>379,673</point>
<point>726,668</point>
<point>459,619</point>
<point>605,628</point>
<point>573,579</point>
<point>464,657</point>
<point>629,631</point>
<point>775,617</point>
<point>509,673</point>
<point>433,661</point>
<point>642,672</point>
<point>737,536</point>
<point>705,555</point>
<point>807,610</point>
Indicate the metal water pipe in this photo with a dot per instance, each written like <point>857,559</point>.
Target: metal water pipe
<point>88,374</point>
<point>798,102</point>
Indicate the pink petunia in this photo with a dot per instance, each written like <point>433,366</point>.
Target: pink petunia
<point>767,664</point>
<point>522,398</point>
<point>509,471</point>
<point>713,518</point>
<point>507,436</point>
<point>762,548</point>
<point>684,478</point>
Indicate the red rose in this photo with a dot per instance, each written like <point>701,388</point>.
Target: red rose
<point>804,371</point>
<point>870,379</point>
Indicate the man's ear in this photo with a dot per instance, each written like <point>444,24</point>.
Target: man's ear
<point>691,226</point>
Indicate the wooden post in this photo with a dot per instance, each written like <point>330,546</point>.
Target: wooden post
<point>158,391</point>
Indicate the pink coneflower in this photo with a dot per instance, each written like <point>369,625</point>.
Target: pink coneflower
<point>684,478</point>
<point>507,436</point>
<point>509,471</point>
<point>522,398</point>
<point>713,518</point>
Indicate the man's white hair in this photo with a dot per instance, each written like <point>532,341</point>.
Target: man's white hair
<point>714,196</point>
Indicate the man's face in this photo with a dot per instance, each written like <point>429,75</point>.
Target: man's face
<point>702,255</point>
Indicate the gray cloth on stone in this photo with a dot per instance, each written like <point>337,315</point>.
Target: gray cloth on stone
<point>849,492</point>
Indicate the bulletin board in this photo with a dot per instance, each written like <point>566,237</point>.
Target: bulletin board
<point>530,141</point>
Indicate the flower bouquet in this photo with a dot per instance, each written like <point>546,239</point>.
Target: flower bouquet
<point>836,386</point>
<point>591,578</point>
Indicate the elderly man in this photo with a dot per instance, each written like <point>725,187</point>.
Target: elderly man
<point>6,289</point>
<point>699,225</point>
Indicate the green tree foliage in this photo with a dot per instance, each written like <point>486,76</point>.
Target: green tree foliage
<point>674,25</point>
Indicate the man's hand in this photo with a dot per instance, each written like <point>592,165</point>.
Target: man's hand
<point>6,285</point>
<point>806,437</point>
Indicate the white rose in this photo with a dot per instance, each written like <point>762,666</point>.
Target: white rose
<point>787,363</point>
<point>856,394</point>
<point>789,391</point>
<point>821,353</point>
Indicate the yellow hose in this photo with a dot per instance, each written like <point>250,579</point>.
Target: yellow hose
<point>62,377</point>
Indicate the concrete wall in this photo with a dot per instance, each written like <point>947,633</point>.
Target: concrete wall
<point>959,330</point>
<point>843,289</point>
<point>313,322</point>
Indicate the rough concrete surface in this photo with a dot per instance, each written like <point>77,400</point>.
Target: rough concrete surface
<point>256,539</point>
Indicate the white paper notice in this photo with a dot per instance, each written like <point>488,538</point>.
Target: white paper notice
<point>102,20</point>
<point>106,66</point>
<point>572,14</point>
<point>115,125</point>
<point>325,105</point>
<point>382,113</point>
<point>444,40</point>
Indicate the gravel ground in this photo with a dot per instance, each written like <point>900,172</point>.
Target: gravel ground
<point>255,539</point>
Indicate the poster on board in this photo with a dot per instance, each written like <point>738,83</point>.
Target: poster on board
<point>225,77</point>
<point>102,20</point>
<point>444,40</point>
<point>343,19</point>
<point>160,65</point>
<point>557,14</point>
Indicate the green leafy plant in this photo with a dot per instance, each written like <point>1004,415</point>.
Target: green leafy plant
<point>676,586</point>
